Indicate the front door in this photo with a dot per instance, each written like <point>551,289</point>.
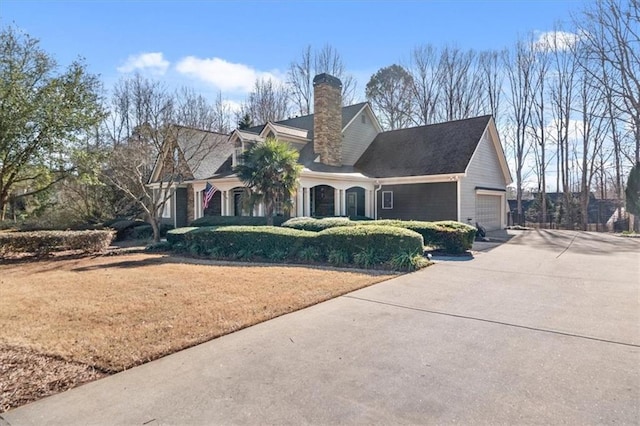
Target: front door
<point>237,204</point>
<point>352,204</point>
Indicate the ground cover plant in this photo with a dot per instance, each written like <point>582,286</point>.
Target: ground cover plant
<point>68,321</point>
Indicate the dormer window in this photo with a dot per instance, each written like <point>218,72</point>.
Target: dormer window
<point>237,153</point>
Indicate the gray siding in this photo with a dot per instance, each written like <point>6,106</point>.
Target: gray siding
<point>484,171</point>
<point>356,138</point>
<point>420,201</point>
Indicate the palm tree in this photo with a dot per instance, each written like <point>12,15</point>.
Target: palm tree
<point>270,170</point>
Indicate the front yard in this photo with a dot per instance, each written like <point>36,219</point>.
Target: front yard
<point>68,321</point>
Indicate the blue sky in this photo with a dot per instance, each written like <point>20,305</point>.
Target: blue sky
<point>225,45</point>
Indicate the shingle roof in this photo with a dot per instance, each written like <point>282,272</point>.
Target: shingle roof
<point>205,152</point>
<point>306,121</point>
<point>435,149</point>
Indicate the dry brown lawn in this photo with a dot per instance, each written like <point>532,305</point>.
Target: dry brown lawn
<point>104,314</point>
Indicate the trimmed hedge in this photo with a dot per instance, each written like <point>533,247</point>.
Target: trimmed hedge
<point>247,242</point>
<point>236,221</point>
<point>177,236</point>
<point>371,246</point>
<point>378,244</point>
<point>44,242</point>
<point>450,236</point>
<point>317,225</point>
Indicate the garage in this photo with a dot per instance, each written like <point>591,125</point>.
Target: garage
<point>489,211</point>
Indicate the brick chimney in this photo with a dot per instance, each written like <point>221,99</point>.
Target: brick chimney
<point>327,119</point>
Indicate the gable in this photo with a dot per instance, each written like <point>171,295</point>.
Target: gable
<point>200,154</point>
<point>358,135</point>
<point>437,149</point>
<point>488,162</point>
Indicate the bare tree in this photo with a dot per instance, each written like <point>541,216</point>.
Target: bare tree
<point>594,125</point>
<point>425,88</point>
<point>461,84</point>
<point>490,64</point>
<point>562,85</point>
<point>539,122</point>
<point>269,101</point>
<point>149,126</point>
<point>311,63</point>
<point>390,92</point>
<point>610,31</point>
<point>520,67</point>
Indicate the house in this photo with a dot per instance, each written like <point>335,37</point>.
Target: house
<point>351,167</point>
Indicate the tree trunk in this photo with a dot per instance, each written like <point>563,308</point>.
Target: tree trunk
<point>153,221</point>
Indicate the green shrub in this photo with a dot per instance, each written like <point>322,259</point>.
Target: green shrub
<point>338,257</point>
<point>366,258</point>
<point>44,242</point>
<point>248,241</point>
<point>450,236</point>
<point>382,242</point>
<point>236,221</point>
<point>309,254</point>
<point>161,246</point>
<point>408,262</point>
<point>176,236</point>
<point>317,225</point>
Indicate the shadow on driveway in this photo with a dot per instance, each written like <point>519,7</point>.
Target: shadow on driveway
<point>589,243</point>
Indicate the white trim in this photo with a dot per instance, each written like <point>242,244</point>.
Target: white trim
<point>459,199</point>
<point>421,179</point>
<point>482,191</point>
<point>295,136</point>
<point>372,118</point>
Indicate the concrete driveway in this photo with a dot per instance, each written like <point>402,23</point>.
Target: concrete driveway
<point>542,329</point>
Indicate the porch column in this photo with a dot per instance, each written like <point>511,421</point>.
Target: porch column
<point>367,203</point>
<point>300,201</point>
<point>337,201</point>
<point>261,211</point>
<point>197,204</point>
<point>343,202</point>
<point>223,203</point>
<point>307,201</point>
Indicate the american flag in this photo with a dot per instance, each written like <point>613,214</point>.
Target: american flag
<point>209,190</point>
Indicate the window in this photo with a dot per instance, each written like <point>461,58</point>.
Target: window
<point>237,153</point>
<point>166,211</point>
<point>363,118</point>
<point>176,157</point>
<point>387,199</point>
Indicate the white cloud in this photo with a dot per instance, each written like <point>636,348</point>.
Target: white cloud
<point>152,61</point>
<point>556,40</point>
<point>224,75</point>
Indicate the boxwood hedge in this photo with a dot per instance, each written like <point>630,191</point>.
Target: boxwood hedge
<point>379,243</point>
<point>371,246</point>
<point>317,225</point>
<point>247,241</point>
<point>44,242</point>
<point>450,236</point>
<point>236,221</point>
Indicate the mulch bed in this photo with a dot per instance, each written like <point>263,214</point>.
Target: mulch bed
<point>27,376</point>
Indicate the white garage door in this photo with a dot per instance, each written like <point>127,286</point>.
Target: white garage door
<point>488,208</point>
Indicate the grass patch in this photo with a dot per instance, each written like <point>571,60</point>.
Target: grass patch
<point>113,313</point>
